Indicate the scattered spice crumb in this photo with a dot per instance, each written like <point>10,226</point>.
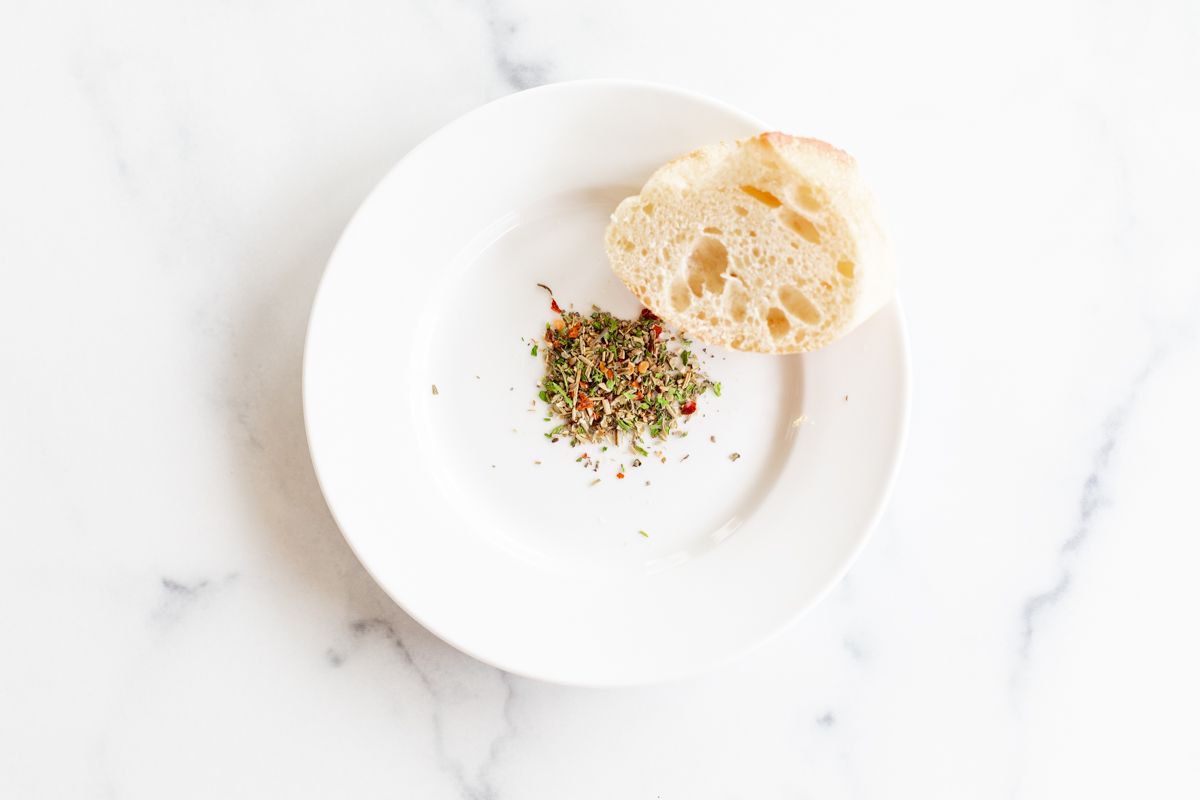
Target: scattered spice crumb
<point>476,377</point>
<point>493,466</point>
<point>847,397</point>
<point>685,457</point>
<point>647,483</point>
<point>593,483</point>
<point>643,533</point>
<point>637,462</point>
<point>734,456</point>
<point>537,462</point>
<point>663,459</point>
<point>712,439</point>
<point>435,391</point>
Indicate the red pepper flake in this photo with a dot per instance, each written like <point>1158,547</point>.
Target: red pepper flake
<point>554,306</point>
<point>620,475</point>
<point>657,331</point>
<point>648,314</point>
<point>688,408</point>
<point>573,331</point>
<point>585,402</point>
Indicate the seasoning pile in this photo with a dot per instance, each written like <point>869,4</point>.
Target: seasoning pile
<point>607,377</point>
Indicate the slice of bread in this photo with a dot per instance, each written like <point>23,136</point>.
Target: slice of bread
<point>768,244</point>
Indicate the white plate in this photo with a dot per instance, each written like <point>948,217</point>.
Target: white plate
<point>529,567</point>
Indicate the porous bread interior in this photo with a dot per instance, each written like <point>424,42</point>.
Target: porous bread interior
<point>750,245</point>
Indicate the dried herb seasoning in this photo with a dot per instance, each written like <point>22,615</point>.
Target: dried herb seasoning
<point>607,378</point>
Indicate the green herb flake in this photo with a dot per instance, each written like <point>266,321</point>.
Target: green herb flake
<point>717,388</point>
<point>533,352</point>
<point>643,533</point>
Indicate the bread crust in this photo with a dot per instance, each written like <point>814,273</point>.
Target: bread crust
<point>768,244</point>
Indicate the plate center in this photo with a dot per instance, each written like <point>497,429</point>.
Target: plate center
<point>485,428</point>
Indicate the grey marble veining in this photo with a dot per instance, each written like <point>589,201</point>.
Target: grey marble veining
<point>503,29</point>
<point>1093,496</point>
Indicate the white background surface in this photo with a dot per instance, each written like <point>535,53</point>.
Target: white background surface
<point>181,618</point>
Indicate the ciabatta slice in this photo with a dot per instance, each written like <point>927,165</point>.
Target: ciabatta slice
<point>768,244</point>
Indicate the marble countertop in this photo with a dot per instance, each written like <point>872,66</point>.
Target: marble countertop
<point>181,617</point>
